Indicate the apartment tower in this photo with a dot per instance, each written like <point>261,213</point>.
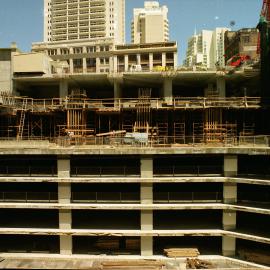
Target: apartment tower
<point>150,24</point>
<point>207,49</point>
<point>66,20</point>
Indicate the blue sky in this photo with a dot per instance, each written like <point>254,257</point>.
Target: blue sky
<point>22,20</point>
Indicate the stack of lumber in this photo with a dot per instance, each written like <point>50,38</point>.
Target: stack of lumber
<point>181,252</point>
<point>198,264</point>
<point>132,265</point>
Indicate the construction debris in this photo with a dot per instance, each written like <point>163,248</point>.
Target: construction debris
<point>198,264</point>
<point>181,252</point>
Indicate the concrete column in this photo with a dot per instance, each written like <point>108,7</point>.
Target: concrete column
<point>209,90</point>
<point>63,167</point>
<point>115,64</point>
<point>63,88</point>
<point>117,90</point>
<point>65,223</point>
<point>146,198</point>
<point>64,196</point>
<point>84,65</point>
<point>126,62</point>
<point>71,69</point>
<point>175,60</point>
<point>221,86</point>
<point>168,89</point>
<point>229,192</point>
<point>228,246</point>
<point>151,61</point>
<point>138,59</point>
<point>111,64</point>
<point>163,59</point>
<point>229,220</point>
<point>97,65</point>
<point>230,165</point>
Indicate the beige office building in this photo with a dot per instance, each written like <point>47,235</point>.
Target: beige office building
<point>150,24</point>
<point>66,20</point>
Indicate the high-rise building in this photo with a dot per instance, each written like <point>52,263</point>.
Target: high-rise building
<point>150,24</point>
<point>199,47</point>
<point>84,19</point>
<point>207,49</point>
<point>218,47</point>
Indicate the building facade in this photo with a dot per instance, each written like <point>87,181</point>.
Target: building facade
<point>206,49</point>
<point>6,68</point>
<point>131,164</point>
<point>66,20</point>
<point>199,49</point>
<point>242,42</point>
<point>102,56</point>
<point>150,24</point>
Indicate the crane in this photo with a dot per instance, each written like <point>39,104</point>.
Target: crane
<point>264,49</point>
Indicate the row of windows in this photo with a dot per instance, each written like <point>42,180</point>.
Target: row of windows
<point>79,50</point>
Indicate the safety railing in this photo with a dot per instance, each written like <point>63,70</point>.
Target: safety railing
<point>39,105</point>
<point>132,140</point>
<point>27,197</point>
<point>187,197</point>
<point>12,170</point>
<point>123,171</point>
<point>176,170</point>
<point>105,197</point>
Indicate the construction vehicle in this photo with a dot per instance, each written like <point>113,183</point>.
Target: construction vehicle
<point>264,50</point>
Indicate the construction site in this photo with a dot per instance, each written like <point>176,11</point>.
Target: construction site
<point>160,168</point>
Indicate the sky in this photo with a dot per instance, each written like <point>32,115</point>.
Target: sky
<point>22,20</point>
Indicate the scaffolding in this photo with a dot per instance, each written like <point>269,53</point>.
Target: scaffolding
<point>78,119</point>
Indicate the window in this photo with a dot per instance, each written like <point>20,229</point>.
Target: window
<point>245,39</point>
<point>78,50</point>
<point>91,49</point>
<point>52,52</point>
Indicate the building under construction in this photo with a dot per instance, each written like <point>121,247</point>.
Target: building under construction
<point>110,154</point>
<point>134,163</point>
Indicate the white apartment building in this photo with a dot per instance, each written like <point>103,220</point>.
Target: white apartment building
<point>206,49</point>
<point>66,20</point>
<point>150,24</point>
<point>199,48</point>
<point>218,47</point>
